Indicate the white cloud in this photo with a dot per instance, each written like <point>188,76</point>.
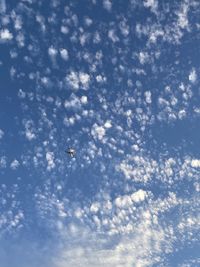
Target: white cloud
<point>14,164</point>
<point>84,79</point>
<point>193,76</point>
<point>190,262</point>
<point>113,36</point>
<point>142,248</point>
<point>148,97</point>
<point>195,163</point>
<point>64,54</point>
<point>123,201</point>
<point>143,57</point>
<point>154,34</point>
<point>100,79</point>
<point>183,16</point>
<point>97,38</point>
<point>127,201</point>
<point>88,21</point>
<point>50,160</point>
<point>30,130</point>
<point>5,35</point>
<point>143,236</point>
<point>98,132</point>
<point>77,80</point>
<point>152,4</point>
<point>40,19</point>
<point>64,29</point>
<point>108,124</point>
<point>182,114</point>
<point>2,6</point>
<point>69,121</point>
<point>124,28</point>
<point>52,52</point>
<point>1,134</point>
<point>107,4</point>
<point>21,94</point>
<point>3,162</point>
<point>83,38</point>
<point>84,99</point>
<point>139,195</point>
<point>138,169</point>
<point>95,207</point>
<point>18,23</point>
<point>20,39</point>
<point>73,80</point>
<point>73,102</point>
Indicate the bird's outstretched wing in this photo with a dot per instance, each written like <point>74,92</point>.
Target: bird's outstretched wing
<point>71,152</point>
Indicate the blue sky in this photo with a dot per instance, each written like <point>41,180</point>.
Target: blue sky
<point>118,81</point>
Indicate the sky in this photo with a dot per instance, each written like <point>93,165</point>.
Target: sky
<point>118,81</point>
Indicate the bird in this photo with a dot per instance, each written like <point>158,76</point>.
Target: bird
<point>71,152</point>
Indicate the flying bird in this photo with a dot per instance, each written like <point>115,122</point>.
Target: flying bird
<point>71,152</point>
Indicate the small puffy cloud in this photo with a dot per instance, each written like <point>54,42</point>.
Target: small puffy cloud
<point>30,130</point>
<point>124,28</point>
<point>138,168</point>
<point>2,6</point>
<point>1,134</point>
<point>73,80</point>
<point>78,79</point>
<point>95,207</point>
<point>21,94</point>
<point>113,36</point>
<point>64,54</point>
<point>127,200</point>
<point>108,124</point>
<point>195,163</point>
<point>64,29</point>
<point>148,97</point>
<point>88,21</point>
<point>143,57</point>
<point>98,132</point>
<point>20,39</point>
<point>138,196</point>
<point>40,19</point>
<point>84,79</point>
<point>69,121</point>
<point>182,114</point>
<point>183,16</point>
<point>5,35</point>
<point>73,102</point>
<point>154,34</point>
<point>3,162</point>
<point>100,79</point>
<point>52,51</point>
<point>197,110</point>
<point>152,4</point>
<point>193,76</point>
<point>123,201</point>
<point>50,160</point>
<point>45,81</point>
<point>14,164</point>
<point>78,213</point>
<point>84,99</point>
<point>97,38</point>
<point>107,4</point>
<point>83,38</point>
<point>18,23</point>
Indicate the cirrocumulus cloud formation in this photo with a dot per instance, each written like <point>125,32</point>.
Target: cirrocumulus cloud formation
<point>117,84</point>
